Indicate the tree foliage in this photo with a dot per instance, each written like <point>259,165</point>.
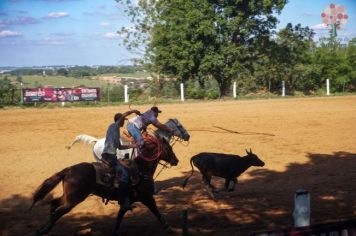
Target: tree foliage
<point>8,93</point>
<point>204,38</point>
<point>229,41</point>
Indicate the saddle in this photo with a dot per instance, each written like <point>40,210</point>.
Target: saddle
<point>106,176</point>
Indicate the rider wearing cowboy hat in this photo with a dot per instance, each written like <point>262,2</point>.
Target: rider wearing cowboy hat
<point>140,123</point>
<point>112,142</point>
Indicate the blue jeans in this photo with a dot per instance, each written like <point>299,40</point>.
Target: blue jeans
<point>136,134</point>
<point>114,162</point>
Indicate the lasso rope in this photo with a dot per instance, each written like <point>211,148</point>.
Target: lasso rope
<point>154,140</point>
<point>163,167</point>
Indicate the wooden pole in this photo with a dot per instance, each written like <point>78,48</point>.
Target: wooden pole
<point>126,94</point>
<point>283,89</point>
<point>327,87</point>
<point>21,91</point>
<point>182,92</point>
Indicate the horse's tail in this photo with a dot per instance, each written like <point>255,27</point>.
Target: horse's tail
<point>83,138</point>
<point>186,180</point>
<point>48,185</point>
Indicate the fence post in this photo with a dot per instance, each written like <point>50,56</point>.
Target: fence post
<point>21,92</point>
<point>301,212</point>
<point>327,87</point>
<point>283,89</point>
<point>234,89</point>
<point>63,103</point>
<point>108,89</point>
<point>182,92</point>
<point>269,86</point>
<point>126,94</point>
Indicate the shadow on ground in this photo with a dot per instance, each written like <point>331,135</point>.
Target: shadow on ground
<point>264,202</point>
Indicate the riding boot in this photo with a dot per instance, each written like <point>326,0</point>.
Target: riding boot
<point>124,198</point>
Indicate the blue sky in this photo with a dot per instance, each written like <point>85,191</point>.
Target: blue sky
<point>83,32</point>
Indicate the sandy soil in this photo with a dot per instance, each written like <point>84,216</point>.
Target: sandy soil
<point>307,143</point>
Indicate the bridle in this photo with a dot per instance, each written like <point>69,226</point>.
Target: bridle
<point>179,131</point>
<point>164,166</point>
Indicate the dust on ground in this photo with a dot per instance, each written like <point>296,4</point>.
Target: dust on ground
<point>306,143</point>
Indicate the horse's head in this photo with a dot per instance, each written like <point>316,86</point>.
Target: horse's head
<point>179,131</point>
<point>167,153</point>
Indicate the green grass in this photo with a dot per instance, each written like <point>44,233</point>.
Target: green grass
<point>138,74</point>
<point>31,81</point>
<point>57,81</point>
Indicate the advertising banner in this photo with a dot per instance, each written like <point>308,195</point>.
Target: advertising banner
<point>60,94</point>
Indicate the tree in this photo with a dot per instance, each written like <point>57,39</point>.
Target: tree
<point>203,38</point>
<point>336,63</point>
<point>62,72</point>
<point>7,90</point>
<point>351,58</point>
<point>291,58</point>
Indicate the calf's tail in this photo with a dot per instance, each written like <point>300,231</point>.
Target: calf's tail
<point>186,180</point>
<point>48,185</point>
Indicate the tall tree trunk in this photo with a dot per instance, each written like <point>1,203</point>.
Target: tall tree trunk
<point>201,81</point>
<point>223,85</point>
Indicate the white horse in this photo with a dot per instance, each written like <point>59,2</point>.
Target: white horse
<point>99,146</point>
<point>179,132</point>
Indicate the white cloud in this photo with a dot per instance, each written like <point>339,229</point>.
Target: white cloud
<point>104,23</point>
<point>319,26</point>
<point>112,35</point>
<point>54,15</point>
<point>8,33</point>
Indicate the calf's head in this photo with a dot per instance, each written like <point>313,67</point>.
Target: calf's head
<point>253,159</point>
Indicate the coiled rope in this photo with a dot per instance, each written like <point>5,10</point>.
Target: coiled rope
<point>151,140</point>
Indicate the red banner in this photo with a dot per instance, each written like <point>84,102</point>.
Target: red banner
<point>60,94</point>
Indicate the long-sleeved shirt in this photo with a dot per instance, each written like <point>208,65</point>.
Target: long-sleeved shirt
<point>112,140</point>
<point>145,119</point>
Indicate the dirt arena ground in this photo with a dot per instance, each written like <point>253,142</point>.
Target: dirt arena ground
<point>307,143</point>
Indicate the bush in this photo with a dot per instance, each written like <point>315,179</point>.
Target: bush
<point>212,94</point>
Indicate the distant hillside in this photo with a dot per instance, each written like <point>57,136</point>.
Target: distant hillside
<point>68,82</point>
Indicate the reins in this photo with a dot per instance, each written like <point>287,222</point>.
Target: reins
<point>155,141</point>
<point>163,167</point>
<point>180,140</point>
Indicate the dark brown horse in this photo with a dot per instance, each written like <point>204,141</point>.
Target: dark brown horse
<point>80,180</point>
